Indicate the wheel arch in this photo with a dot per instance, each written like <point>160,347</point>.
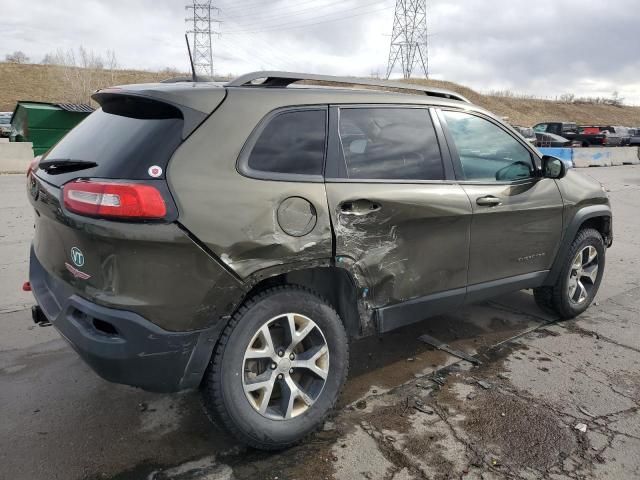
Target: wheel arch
<point>593,216</point>
<point>336,285</point>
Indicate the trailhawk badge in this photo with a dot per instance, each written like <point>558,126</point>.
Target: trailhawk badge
<point>77,257</point>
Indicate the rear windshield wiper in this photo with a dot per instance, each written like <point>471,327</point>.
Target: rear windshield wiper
<point>64,165</point>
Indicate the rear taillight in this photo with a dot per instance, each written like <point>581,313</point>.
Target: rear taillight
<point>114,200</point>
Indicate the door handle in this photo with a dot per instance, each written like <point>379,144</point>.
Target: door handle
<point>489,201</point>
<point>359,207</point>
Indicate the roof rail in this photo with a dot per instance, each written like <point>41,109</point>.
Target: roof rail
<point>283,79</point>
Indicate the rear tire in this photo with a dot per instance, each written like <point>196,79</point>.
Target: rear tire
<point>579,279</point>
<point>265,382</point>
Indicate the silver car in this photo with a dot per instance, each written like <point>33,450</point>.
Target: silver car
<point>5,124</point>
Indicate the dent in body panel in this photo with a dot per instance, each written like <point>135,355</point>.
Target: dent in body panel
<point>416,244</point>
<point>236,216</point>
<point>579,190</point>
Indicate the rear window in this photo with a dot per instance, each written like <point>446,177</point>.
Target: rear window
<point>5,120</point>
<point>125,138</point>
<point>291,143</point>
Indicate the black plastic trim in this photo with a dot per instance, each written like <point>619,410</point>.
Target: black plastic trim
<point>137,352</point>
<point>418,309</point>
<point>581,216</point>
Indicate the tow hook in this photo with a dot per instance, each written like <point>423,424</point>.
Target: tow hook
<point>38,317</point>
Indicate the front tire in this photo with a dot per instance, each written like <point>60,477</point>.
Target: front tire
<point>278,368</point>
<point>579,280</point>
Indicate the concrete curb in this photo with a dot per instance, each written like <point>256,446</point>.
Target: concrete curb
<point>15,157</point>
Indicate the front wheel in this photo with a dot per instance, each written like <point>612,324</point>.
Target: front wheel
<point>579,279</point>
<point>278,368</point>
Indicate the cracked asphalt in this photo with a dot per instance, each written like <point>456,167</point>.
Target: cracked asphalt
<point>408,411</point>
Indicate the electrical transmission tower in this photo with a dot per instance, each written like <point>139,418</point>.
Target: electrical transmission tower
<point>200,20</point>
<point>409,38</point>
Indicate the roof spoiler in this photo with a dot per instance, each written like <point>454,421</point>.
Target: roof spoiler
<point>284,79</point>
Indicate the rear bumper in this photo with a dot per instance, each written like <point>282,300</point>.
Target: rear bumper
<point>122,346</point>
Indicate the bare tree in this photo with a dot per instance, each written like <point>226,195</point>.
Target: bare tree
<point>49,59</point>
<point>82,72</point>
<point>17,57</point>
<point>567,97</point>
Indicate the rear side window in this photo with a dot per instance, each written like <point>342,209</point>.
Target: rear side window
<point>390,143</point>
<point>125,138</point>
<point>291,143</point>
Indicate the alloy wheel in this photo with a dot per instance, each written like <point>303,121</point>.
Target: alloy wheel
<point>583,275</point>
<point>285,366</point>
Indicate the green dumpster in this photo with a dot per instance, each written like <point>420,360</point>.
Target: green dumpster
<point>44,124</point>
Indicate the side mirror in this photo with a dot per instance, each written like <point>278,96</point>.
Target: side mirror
<point>553,167</point>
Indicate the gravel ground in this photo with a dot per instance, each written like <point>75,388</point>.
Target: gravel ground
<point>408,411</point>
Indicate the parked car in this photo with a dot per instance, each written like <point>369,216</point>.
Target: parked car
<point>5,124</point>
<point>634,139</point>
<point>235,237</point>
<point>551,140</point>
<point>573,133</point>
<point>527,133</point>
<point>621,132</point>
<point>611,138</point>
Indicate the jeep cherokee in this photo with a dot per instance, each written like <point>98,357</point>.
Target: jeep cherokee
<point>235,236</point>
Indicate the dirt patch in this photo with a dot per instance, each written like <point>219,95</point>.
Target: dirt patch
<point>526,433</point>
<point>392,417</point>
<point>426,447</point>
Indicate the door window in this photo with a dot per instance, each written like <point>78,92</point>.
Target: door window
<point>487,153</point>
<point>291,143</point>
<point>390,143</point>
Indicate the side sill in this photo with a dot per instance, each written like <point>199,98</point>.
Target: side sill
<point>486,290</point>
<point>412,311</point>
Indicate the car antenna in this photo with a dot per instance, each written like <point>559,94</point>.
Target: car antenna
<point>193,69</point>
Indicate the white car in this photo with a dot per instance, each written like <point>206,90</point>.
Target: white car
<point>5,124</point>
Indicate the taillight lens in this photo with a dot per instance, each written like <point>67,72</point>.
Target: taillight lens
<point>114,200</point>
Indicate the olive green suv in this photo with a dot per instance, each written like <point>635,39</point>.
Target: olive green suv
<point>235,237</point>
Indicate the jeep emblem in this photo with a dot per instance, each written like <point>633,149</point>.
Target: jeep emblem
<point>77,257</point>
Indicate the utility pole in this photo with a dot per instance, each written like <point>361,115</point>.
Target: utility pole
<point>409,38</point>
<point>199,20</point>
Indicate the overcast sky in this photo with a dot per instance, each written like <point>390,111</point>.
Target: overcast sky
<point>543,47</point>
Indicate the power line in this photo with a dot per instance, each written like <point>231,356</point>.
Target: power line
<point>292,25</point>
<point>286,14</point>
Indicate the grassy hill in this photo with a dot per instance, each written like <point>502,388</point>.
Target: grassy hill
<point>56,84</point>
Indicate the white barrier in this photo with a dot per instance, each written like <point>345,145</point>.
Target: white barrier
<point>605,156</point>
<point>15,157</point>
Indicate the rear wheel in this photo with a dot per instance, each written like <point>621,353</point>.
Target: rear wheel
<point>579,279</point>
<point>278,368</point>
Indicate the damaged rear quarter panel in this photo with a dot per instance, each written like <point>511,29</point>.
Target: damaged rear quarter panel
<point>236,217</point>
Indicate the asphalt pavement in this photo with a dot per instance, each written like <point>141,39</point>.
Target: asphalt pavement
<point>550,400</point>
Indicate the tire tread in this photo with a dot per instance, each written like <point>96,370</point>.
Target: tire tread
<point>212,397</point>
